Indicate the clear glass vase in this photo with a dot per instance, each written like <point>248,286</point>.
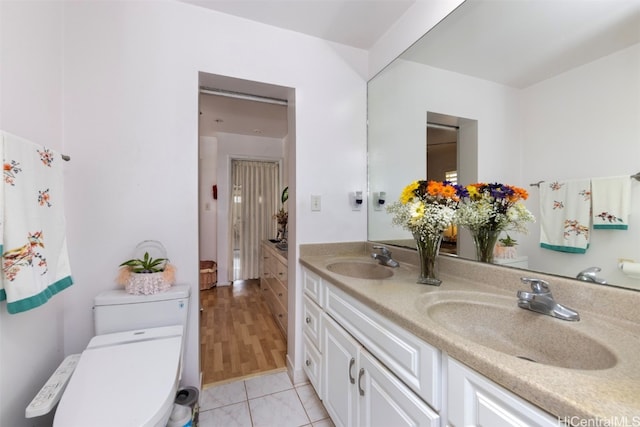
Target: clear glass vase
<point>428,249</point>
<point>484,239</point>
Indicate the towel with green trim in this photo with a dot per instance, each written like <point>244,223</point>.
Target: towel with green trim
<point>565,215</point>
<point>33,244</point>
<point>611,198</point>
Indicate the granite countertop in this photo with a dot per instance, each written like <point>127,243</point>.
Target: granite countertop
<point>608,316</point>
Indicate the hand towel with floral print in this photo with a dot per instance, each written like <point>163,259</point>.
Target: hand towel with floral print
<point>33,244</point>
<point>611,202</point>
<point>565,215</point>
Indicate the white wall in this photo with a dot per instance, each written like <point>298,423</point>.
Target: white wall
<point>399,100</point>
<point>208,234</point>
<point>31,63</point>
<point>585,123</point>
<point>115,85</point>
<point>131,120</point>
<point>230,147</point>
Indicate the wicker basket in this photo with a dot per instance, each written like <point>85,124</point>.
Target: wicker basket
<point>147,283</point>
<point>208,274</point>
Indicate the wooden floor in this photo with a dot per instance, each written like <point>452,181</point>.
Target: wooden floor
<point>238,336</point>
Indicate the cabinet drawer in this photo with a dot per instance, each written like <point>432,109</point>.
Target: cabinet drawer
<point>312,286</point>
<point>415,362</point>
<point>278,311</point>
<point>311,315</point>
<point>312,364</point>
<point>281,272</point>
<point>280,291</point>
<point>270,265</point>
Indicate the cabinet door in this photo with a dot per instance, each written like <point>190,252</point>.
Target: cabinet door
<point>475,400</point>
<point>339,373</point>
<point>386,401</point>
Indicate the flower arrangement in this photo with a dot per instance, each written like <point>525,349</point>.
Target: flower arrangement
<point>494,206</point>
<point>427,208</point>
<point>489,209</point>
<point>282,217</point>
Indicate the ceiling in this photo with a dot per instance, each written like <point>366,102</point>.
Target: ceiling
<point>520,43</point>
<point>357,23</point>
<point>471,43</point>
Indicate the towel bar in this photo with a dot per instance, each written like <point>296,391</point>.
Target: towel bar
<point>635,176</point>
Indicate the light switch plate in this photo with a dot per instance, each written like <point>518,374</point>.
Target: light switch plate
<point>315,203</point>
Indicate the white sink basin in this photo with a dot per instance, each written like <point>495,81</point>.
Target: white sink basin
<point>360,269</point>
<point>498,323</point>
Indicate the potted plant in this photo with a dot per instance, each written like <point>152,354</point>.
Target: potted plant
<point>282,216</point>
<point>506,248</point>
<point>146,275</point>
<point>145,265</point>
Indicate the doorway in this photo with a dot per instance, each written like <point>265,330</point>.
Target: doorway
<point>242,121</point>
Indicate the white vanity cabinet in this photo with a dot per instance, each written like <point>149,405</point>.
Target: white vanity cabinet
<point>360,391</point>
<point>311,315</point>
<point>475,400</point>
<point>369,371</point>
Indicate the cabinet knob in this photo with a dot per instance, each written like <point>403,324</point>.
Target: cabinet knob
<point>280,315</point>
<point>279,294</point>
<point>307,320</point>
<point>351,363</point>
<point>307,362</point>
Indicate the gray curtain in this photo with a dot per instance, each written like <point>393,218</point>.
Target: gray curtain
<point>254,201</point>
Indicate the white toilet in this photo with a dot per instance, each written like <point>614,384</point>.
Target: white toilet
<point>129,373</point>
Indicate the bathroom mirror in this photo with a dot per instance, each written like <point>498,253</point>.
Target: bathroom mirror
<point>537,90</point>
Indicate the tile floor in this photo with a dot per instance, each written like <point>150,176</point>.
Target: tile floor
<point>269,400</point>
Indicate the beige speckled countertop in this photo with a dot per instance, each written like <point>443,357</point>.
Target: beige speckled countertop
<point>609,316</point>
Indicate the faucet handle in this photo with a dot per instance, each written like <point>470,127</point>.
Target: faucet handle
<point>538,286</point>
<point>591,270</point>
<point>383,250</point>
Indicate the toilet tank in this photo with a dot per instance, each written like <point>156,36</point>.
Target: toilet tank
<point>118,311</point>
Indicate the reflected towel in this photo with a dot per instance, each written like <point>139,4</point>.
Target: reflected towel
<point>33,244</point>
<point>565,215</point>
<point>611,202</point>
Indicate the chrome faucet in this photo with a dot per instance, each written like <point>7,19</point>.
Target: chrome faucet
<point>541,300</point>
<point>384,257</point>
<point>589,275</point>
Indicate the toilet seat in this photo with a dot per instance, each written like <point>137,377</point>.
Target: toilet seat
<point>124,379</point>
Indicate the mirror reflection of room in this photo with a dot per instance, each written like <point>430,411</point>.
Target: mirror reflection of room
<point>544,107</point>
<point>442,165</point>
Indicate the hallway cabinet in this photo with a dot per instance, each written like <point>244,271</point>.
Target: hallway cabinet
<point>273,282</point>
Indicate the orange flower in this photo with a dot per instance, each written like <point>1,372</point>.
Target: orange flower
<point>520,193</point>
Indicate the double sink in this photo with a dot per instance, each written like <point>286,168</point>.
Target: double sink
<point>495,321</point>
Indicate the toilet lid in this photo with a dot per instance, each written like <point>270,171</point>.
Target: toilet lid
<point>130,384</point>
